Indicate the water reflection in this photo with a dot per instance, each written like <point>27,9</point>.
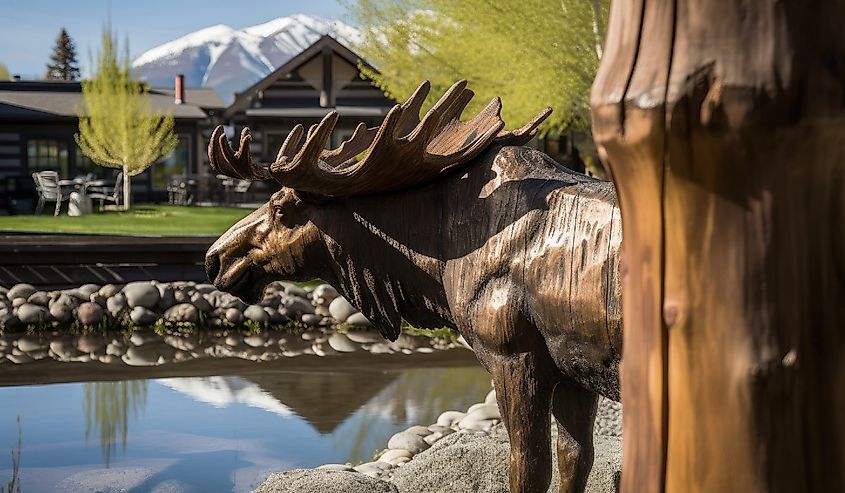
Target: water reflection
<point>108,408</point>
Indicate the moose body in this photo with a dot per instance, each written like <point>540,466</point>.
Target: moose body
<point>517,253</point>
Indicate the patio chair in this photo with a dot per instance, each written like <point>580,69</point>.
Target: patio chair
<point>108,194</point>
<point>49,189</point>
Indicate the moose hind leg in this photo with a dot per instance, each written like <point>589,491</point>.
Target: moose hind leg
<point>523,391</point>
<point>574,409</point>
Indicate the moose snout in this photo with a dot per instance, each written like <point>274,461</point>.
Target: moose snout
<point>212,265</point>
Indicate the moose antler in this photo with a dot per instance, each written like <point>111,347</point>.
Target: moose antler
<point>403,151</point>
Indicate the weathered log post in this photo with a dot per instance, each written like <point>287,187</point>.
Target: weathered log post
<point>723,126</point>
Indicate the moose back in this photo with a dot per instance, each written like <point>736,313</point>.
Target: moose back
<point>450,223</point>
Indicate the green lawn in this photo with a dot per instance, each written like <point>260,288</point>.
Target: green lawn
<point>164,220</point>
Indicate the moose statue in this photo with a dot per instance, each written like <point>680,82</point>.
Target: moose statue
<point>448,223</point>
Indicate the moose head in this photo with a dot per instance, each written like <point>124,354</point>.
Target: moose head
<point>278,240</point>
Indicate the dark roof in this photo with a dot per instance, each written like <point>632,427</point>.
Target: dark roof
<point>204,97</point>
<point>242,98</point>
<point>51,100</point>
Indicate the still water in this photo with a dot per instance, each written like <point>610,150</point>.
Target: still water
<point>221,431</point>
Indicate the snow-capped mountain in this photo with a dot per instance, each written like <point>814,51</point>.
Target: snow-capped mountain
<point>231,60</point>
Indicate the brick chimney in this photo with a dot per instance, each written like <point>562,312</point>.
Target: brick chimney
<point>179,89</point>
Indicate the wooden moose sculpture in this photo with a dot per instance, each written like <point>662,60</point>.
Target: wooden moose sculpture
<point>450,223</point>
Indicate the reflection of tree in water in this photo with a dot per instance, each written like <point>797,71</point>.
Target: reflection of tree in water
<point>14,484</point>
<point>109,406</point>
<point>417,396</point>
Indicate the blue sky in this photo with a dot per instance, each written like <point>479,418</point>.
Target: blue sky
<point>28,28</point>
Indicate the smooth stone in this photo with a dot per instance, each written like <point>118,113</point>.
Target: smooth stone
<point>202,304</point>
<point>116,304</point>
<point>322,311</point>
<point>89,313</point>
<point>294,290</point>
<point>325,291</point>
<point>340,343</point>
<point>430,439</point>
<point>29,343</point>
<point>469,424</point>
<point>256,313</point>
<point>19,359</point>
<point>205,288</point>
<point>183,312</point>
<point>39,298</point>
<point>62,308</point>
<point>419,430</point>
<point>88,289</point>
<point>76,293</point>
<point>31,314</point>
<point>141,293</point>
<point>143,316</point>
<point>391,455</point>
<point>107,359</point>
<point>341,309</point>
<point>275,316</point>
<point>63,347</point>
<point>299,305</point>
<point>140,338</point>
<point>364,336</point>
<point>407,441</point>
<point>311,319</point>
<point>183,343</point>
<point>90,343</point>
<point>98,299</point>
<point>234,315</point>
<point>110,290</point>
<point>22,290</point>
<point>114,349</point>
<point>234,339</point>
<point>405,341</point>
<point>141,356</point>
<point>311,335</point>
<point>166,298</point>
<point>255,340</point>
<point>449,418</point>
<point>358,320</point>
<point>424,350</point>
<point>181,295</point>
<point>380,348</point>
<point>474,407</point>
<point>491,397</point>
<point>18,302</point>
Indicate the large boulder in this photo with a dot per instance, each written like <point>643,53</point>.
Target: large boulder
<point>141,293</point>
<point>323,481</point>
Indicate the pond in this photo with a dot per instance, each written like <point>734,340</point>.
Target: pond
<point>220,424</point>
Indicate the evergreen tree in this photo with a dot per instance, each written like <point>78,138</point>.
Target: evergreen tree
<point>532,53</point>
<point>63,64</point>
<point>4,73</point>
<point>117,127</point>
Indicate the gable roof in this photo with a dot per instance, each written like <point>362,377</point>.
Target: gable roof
<point>326,41</point>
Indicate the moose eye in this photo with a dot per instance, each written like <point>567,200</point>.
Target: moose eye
<point>277,210</point>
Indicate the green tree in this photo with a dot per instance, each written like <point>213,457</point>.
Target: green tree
<point>4,73</point>
<point>62,64</point>
<point>117,127</point>
<point>533,53</point>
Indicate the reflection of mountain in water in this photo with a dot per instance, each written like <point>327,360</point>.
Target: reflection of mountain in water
<point>225,391</point>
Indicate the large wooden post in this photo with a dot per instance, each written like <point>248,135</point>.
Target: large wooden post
<point>722,124</point>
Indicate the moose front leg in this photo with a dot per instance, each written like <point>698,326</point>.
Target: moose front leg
<point>574,409</point>
<point>524,391</point>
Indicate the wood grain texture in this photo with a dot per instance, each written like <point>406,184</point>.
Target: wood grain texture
<point>721,124</point>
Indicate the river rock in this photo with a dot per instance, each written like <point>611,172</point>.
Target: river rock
<point>323,481</point>
<point>256,313</point>
<point>419,430</point>
<point>294,290</point>
<point>39,298</point>
<point>62,307</point>
<point>358,320</point>
<point>255,340</point>
<point>340,343</point>
<point>325,291</point>
<point>234,315</point>
<point>141,293</point>
<point>89,313</point>
<point>18,302</point>
<point>491,397</point>
<point>311,319</point>
<point>22,290</point>
<point>166,298</point>
<point>110,290</point>
<point>144,337</point>
<point>380,348</point>
<point>450,418</point>
<point>390,456</point>
<point>202,304</point>
<point>143,316</point>
<point>141,356</point>
<point>482,412</point>
<point>183,312</point>
<point>341,309</point>
<point>299,305</point>
<point>116,304</point>
<point>204,288</point>
<point>407,441</point>
<point>364,336</point>
<point>275,316</point>
<point>31,314</point>
<point>88,289</point>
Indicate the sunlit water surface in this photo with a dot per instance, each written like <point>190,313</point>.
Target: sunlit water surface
<point>215,433</point>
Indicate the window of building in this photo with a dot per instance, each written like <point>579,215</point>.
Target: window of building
<point>84,166</point>
<point>172,166</point>
<point>47,155</point>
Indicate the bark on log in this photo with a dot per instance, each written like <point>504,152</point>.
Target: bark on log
<point>723,127</point>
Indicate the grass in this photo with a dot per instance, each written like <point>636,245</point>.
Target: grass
<point>163,220</point>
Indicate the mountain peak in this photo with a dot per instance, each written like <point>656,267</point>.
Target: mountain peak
<point>231,60</point>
